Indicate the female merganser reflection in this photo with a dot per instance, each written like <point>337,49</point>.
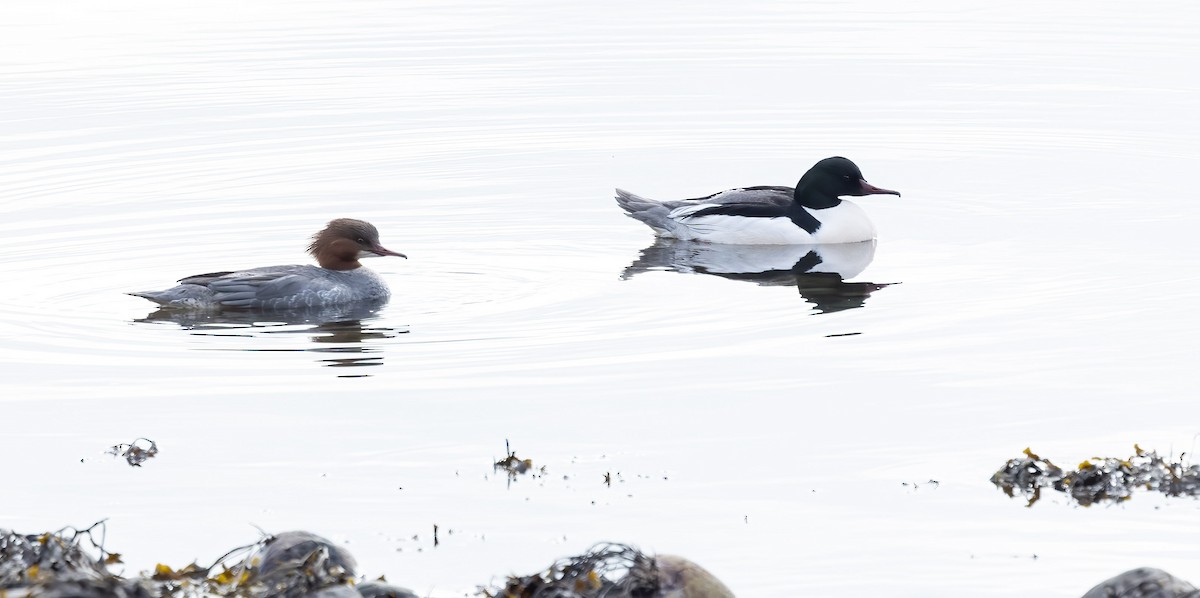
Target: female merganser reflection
<point>812,213</point>
<point>338,279</point>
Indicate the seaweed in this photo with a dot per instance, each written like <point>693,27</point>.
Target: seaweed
<point>611,570</point>
<point>513,466</point>
<point>289,564</point>
<point>135,454</point>
<point>1099,479</point>
<point>605,570</point>
<point>61,564</point>
<point>73,563</point>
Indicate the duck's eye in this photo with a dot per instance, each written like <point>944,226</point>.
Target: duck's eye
<point>361,241</point>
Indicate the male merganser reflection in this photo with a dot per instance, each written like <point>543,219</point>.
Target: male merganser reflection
<point>817,271</point>
<point>338,279</point>
<point>811,213</point>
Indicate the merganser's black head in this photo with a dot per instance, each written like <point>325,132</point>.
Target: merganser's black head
<point>830,178</point>
<point>344,241</point>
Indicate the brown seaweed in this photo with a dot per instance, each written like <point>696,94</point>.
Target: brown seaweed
<point>615,571</point>
<point>136,452</point>
<point>1099,480</point>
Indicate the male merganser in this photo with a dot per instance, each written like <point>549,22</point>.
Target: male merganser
<point>811,213</point>
<point>340,278</point>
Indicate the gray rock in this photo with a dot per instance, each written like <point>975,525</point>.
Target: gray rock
<point>1144,582</point>
<point>377,589</point>
<point>681,578</point>
<point>290,549</point>
<point>334,592</point>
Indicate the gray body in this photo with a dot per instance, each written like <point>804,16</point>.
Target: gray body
<point>272,287</point>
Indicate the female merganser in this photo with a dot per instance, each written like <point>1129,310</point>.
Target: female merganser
<point>811,213</point>
<point>340,278</point>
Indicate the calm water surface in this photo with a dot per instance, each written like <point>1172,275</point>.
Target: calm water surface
<point>1033,287</point>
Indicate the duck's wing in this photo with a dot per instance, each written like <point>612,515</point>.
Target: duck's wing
<point>756,202</point>
<point>204,279</point>
<point>768,195</point>
<point>273,286</point>
<point>681,218</point>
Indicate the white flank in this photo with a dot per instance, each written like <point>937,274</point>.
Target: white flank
<point>844,223</point>
<point>743,230</point>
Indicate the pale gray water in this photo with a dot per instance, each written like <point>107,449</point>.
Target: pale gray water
<point>1045,248</point>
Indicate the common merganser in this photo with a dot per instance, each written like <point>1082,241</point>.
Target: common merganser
<point>338,279</point>
<point>811,213</point>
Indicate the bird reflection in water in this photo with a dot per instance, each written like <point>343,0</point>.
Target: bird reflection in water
<point>819,272</point>
<point>341,330</point>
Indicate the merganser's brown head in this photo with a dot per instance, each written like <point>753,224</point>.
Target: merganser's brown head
<point>344,241</point>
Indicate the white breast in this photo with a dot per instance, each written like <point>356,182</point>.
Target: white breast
<point>843,223</point>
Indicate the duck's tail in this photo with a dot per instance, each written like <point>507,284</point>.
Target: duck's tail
<point>155,296</point>
<point>184,296</point>
<point>653,213</point>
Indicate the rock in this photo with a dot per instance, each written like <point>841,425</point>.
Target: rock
<point>288,550</point>
<point>345,591</point>
<point>377,589</point>
<point>681,578</point>
<point>1144,582</point>
<point>301,564</point>
<point>618,571</point>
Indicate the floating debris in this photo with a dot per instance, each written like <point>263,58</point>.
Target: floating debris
<point>616,571</point>
<point>934,484</point>
<point>513,465</point>
<point>1098,479</point>
<point>136,452</point>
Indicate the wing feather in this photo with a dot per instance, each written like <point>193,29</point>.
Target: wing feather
<point>263,286</point>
